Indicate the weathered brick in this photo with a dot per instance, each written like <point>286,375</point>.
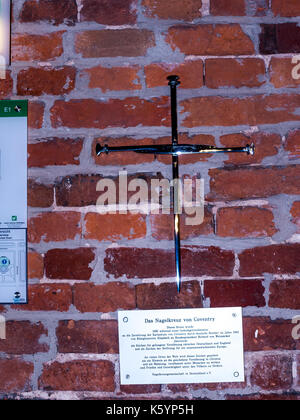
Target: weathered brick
<point>233,184</point>
<point>113,78</point>
<point>24,337</point>
<point>35,265</point>
<point>71,264</point>
<point>6,85</point>
<point>87,337</point>
<point>140,389</point>
<point>250,222</point>
<point>227,8</point>
<point>54,151</point>
<point>161,9</point>
<point>54,11</point>
<point>287,8</point>
<point>56,226</point>
<point>227,293</point>
<point>166,296</point>
<point>46,81</point>
<point>274,259</point>
<point>281,73</point>
<point>15,375</point>
<point>210,40</point>
<point>292,144</point>
<point>162,226</point>
<point>105,12</point>
<point>25,47</point>
<point>158,263</point>
<point>105,297</point>
<point>272,372</point>
<point>47,297</point>
<point>252,110</point>
<point>266,144</point>
<point>280,38</point>
<point>230,72</point>
<point>129,112</point>
<point>78,375</point>
<point>35,114</point>
<point>114,43</point>
<point>295,212</point>
<point>263,334</point>
<point>283,396</point>
<point>191,74</point>
<point>40,195</point>
<point>114,227</point>
<point>285,294</point>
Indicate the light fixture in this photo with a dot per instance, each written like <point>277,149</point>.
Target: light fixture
<point>4,36</point>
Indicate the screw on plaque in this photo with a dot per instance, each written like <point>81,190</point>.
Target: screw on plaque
<point>18,108</point>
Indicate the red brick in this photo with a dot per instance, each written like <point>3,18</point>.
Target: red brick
<point>263,334</point>
<point>81,190</point>
<point>285,294</point>
<point>54,11</point>
<point>23,337</point>
<point>87,337</point>
<point>114,43</point>
<point>185,138</point>
<point>35,114</point>
<point>274,259</point>
<point>252,110</point>
<point>166,296</point>
<point>295,212</point>
<point>233,184</point>
<point>71,264</point>
<point>130,112</point>
<point>227,293</point>
<point>115,78</point>
<point>249,222</point>
<point>265,397</point>
<point>287,8</point>
<point>58,226</point>
<point>120,158</point>
<point>78,375</point>
<point>227,8</point>
<point>281,73</point>
<point>114,227</point>
<point>210,40</point>
<point>6,85</point>
<point>31,48</point>
<point>281,38</point>
<point>15,375</point>
<point>161,9</point>
<point>292,144</point>
<point>158,263</point>
<point>35,265</point>
<point>54,151</point>
<point>266,144</point>
<point>46,81</point>
<point>117,12</point>
<point>190,72</point>
<point>230,72</point>
<point>140,389</point>
<point>104,298</point>
<point>162,226</point>
<point>47,297</point>
<point>272,372</point>
<point>40,195</point>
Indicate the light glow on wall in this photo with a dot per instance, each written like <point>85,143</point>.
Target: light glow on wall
<point>4,36</point>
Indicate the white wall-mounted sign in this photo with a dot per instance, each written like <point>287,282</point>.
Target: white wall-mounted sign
<point>181,346</point>
<point>13,201</point>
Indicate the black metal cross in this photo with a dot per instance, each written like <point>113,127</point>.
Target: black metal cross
<point>175,150</point>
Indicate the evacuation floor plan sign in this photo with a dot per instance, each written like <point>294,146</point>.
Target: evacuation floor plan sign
<point>13,201</point>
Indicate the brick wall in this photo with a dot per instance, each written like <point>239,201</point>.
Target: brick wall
<point>96,69</point>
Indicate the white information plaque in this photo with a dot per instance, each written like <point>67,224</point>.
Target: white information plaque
<point>13,197</point>
<point>181,346</point>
